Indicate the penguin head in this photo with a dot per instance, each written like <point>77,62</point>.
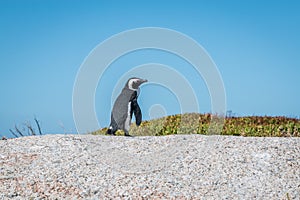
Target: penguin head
<point>134,83</point>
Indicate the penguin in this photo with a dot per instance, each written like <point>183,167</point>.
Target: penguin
<point>125,106</point>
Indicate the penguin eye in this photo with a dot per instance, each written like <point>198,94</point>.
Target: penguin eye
<point>134,85</point>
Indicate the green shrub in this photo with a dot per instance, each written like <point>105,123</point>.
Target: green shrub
<point>194,123</point>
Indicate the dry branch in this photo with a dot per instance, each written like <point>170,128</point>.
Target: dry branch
<point>14,134</point>
<point>38,125</point>
<point>18,131</point>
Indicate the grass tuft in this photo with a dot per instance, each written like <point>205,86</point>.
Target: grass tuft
<point>195,123</point>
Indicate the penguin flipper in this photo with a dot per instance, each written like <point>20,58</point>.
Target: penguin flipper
<point>137,112</point>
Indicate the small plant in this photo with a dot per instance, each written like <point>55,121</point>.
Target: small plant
<point>195,123</point>
<point>17,132</point>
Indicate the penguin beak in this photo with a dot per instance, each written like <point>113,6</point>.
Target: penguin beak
<point>144,80</point>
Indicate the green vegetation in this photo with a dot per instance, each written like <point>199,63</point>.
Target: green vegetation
<point>193,123</point>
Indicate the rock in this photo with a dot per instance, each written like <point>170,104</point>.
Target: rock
<point>165,167</point>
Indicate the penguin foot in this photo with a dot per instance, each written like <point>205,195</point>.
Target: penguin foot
<point>110,132</point>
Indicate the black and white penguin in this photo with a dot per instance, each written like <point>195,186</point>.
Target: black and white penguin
<point>125,105</point>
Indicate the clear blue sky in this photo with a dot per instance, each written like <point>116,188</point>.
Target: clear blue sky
<point>255,45</point>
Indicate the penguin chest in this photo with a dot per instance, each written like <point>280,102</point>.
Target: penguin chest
<point>128,117</point>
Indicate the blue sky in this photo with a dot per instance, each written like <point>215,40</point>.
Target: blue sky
<point>255,45</point>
